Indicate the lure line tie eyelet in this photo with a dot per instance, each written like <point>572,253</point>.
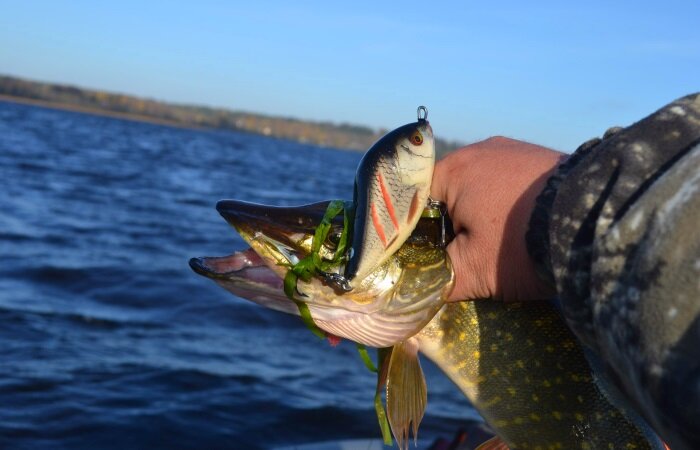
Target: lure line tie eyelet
<point>422,113</point>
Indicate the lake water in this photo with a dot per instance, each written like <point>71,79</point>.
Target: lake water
<point>109,340</point>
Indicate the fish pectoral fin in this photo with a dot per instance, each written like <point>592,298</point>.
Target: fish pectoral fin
<point>406,392</point>
<point>495,443</point>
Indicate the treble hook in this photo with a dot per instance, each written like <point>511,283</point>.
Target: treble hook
<point>424,110</point>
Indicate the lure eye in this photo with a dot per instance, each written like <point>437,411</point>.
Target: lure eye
<point>416,138</point>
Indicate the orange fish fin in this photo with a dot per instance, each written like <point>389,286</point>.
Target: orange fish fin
<point>406,392</point>
<point>333,340</point>
<point>495,443</point>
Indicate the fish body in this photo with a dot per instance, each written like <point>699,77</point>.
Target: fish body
<point>526,374</point>
<point>518,363</point>
<point>392,186</point>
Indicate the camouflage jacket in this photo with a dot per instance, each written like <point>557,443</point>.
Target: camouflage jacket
<point>617,230</point>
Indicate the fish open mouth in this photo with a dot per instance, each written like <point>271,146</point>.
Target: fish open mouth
<point>246,275</point>
<point>281,227</point>
<point>274,233</point>
<point>246,265</point>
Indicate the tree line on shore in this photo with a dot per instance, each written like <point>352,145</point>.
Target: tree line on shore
<point>325,134</point>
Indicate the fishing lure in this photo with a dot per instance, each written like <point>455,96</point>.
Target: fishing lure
<point>392,185</point>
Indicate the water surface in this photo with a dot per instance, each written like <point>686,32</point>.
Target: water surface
<point>109,340</point>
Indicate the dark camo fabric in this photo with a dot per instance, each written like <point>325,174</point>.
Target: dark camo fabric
<point>617,229</point>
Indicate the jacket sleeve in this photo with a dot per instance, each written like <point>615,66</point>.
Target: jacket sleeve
<point>617,230</point>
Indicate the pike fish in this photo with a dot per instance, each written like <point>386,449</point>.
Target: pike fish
<point>391,188</point>
<point>518,364</point>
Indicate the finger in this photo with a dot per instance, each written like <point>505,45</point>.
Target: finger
<point>472,269</point>
<point>438,185</point>
<point>445,174</point>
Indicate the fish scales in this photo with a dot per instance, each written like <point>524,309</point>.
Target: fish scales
<point>525,373</point>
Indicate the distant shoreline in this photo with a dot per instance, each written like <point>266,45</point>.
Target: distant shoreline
<point>140,109</point>
<point>96,111</point>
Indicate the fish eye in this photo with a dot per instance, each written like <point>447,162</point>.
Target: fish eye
<point>416,138</point>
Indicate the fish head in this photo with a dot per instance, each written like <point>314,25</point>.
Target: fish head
<point>414,144</point>
<point>391,304</point>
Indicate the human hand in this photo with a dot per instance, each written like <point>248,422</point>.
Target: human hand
<point>490,189</point>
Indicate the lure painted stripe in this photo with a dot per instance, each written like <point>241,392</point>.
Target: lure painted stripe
<point>378,225</point>
<point>414,208</point>
<point>387,200</point>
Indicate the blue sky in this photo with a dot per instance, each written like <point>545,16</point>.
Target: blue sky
<point>554,73</point>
